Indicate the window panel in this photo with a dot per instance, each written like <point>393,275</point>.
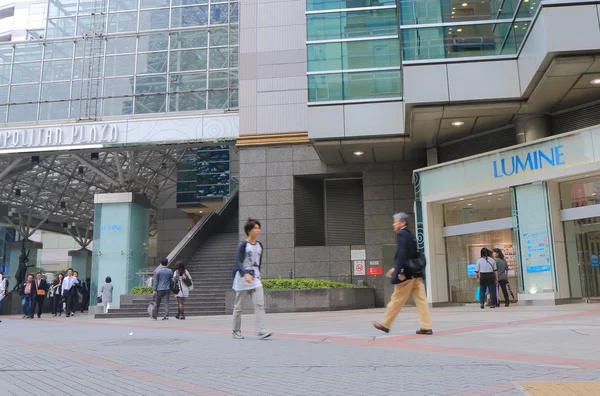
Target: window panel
<point>154,19</point>
<point>153,42</point>
<point>218,58</point>
<point>325,87</point>
<point>413,12</point>
<point>153,4</point>
<point>78,108</point>
<point>233,78</point>
<point>341,25</point>
<point>3,112</point>
<point>234,58</point>
<point>219,36</point>
<point>123,22</point>
<point>218,14</point>
<point>54,111</point>
<point>88,6</point>
<point>63,27</point>
<point>155,62</point>
<point>117,106</point>
<point>59,49</point>
<point>118,86</point>
<point>188,2</point>
<point>56,91</point>
<point>187,101</point>
<point>151,84</point>
<point>188,60</point>
<point>150,104</point>
<point>121,65</point>
<point>22,113</point>
<point>57,70</point>
<point>316,5</point>
<point>120,45</point>
<point>26,73</point>
<point>515,38</point>
<point>322,57</point>
<point>59,8</point>
<point>528,9</point>
<point>187,82</point>
<point>190,39</point>
<point>218,79</point>
<point>3,97</point>
<point>218,100</point>
<point>82,88</point>
<point>84,25</point>
<point>122,5</point>
<point>372,85</point>
<point>189,16</point>
<point>28,52</point>
<point>369,54</point>
<point>5,69</point>
<point>234,13</point>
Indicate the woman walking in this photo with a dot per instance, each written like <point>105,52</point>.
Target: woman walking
<point>487,273</point>
<point>502,266</point>
<point>57,295</point>
<point>107,293</point>
<point>185,285</point>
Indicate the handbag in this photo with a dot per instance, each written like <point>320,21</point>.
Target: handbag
<point>99,299</point>
<point>415,266</point>
<point>174,286</point>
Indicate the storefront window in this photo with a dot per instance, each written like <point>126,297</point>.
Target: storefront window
<point>473,210</point>
<point>462,253</point>
<point>578,193</point>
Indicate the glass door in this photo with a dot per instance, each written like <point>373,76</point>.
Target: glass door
<point>583,252</point>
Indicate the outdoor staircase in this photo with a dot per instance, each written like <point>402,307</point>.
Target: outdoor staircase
<point>211,271</point>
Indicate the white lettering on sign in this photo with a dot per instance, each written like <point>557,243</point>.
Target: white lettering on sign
<point>43,137</point>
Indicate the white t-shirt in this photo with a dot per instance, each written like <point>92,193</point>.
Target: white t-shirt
<point>251,262</point>
<point>486,266</point>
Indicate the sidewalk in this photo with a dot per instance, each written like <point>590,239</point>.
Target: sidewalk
<point>506,351</point>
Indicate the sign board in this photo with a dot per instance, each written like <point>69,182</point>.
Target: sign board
<point>358,255</point>
<point>471,270</point>
<point>374,262</point>
<point>594,261</point>
<point>359,268</point>
<point>373,271</point>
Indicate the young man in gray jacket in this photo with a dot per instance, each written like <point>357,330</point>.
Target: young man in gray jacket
<point>162,287</point>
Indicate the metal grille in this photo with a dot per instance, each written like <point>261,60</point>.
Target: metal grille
<point>309,212</point>
<point>477,144</point>
<point>575,119</point>
<point>345,212</point>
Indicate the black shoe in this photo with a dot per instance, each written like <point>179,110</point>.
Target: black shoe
<point>182,318</point>
<point>482,306</point>
<point>59,314</point>
<point>39,316</point>
<point>165,318</point>
<point>425,332</point>
<point>177,317</point>
<point>380,327</point>
<point>506,305</point>
<point>492,307</point>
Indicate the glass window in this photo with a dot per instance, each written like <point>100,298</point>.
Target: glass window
<point>23,112</point>
<point>217,79</point>
<point>59,50</point>
<point>62,27</point>
<point>151,84</point>
<point>234,16</point>
<point>515,38</point>
<point>187,101</point>
<point>189,16</point>
<point>57,70</point>
<point>476,209</point>
<point>154,19</point>
<point>118,86</point>
<point>89,6</point>
<point>121,65</point>
<point>354,55</point>
<point>26,73</point>
<point>28,52</point>
<point>325,87</point>
<point>219,36</point>
<point>581,192</point>
<point>188,2</point>
<point>190,39</point>
<point>122,22</point>
<point>153,42</point>
<point>323,57</point>
<point>372,85</point>
<point>415,12</point>
<point>3,96</point>
<point>234,58</point>
<point>120,45</point>
<point>59,8</point>
<point>187,82</point>
<point>85,88</point>
<point>340,25</point>
<point>54,111</point>
<point>150,104</point>
<point>316,5</point>
<point>218,100</point>
<point>218,14</point>
<point>154,62</point>
<point>528,8</point>
<point>188,60</point>
<point>84,25</point>
<point>583,249</point>
<point>453,42</point>
<point>117,106</point>
<point>3,111</point>
<point>218,58</point>
<point>81,69</point>
<point>153,4</point>
<point>123,5</point>
<point>5,73</point>
<point>78,108</point>
<point>56,91</point>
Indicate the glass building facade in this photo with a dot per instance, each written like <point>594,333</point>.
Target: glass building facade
<point>121,57</point>
<point>203,172</point>
<point>356,47</point>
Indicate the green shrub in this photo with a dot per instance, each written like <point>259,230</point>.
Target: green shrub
<point>304,284</point>
<point>141,290</point>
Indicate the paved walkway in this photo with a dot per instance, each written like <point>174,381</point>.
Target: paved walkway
<point>514,351</point>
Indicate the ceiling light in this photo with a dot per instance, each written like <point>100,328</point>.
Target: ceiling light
<point>459,30</point>
<point>525,1</point>
<point>464,4</point>
<point>358,153</point>
<point>458,123</point>
<point>470,204</point>
<point>462,199</point>
<point>516,26</point>
<point>489,193</point>
<point>595,81</point>
<point>454,8</point>
<point>453,12</point>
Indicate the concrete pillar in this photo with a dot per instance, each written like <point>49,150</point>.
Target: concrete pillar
<point>121,233</point>
<point>432,156</point>
<point>13,252</point>
<point>532,127</point>
<point>81,261</point>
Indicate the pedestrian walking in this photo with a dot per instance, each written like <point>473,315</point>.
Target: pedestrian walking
<point>502,267</point>
<point>107,293</point>
<point>41,289</point>
<point>3,287</point>
<point>182,276</point>
<point>69,291</point>
<point>246,280</point>
<point>163,276</point>
<point>57,298</point>
<point>406,281</point>
<point>27,295</point>
<point>487,273</point>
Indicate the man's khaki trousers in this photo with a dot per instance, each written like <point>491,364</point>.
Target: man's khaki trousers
<point>402,290</point>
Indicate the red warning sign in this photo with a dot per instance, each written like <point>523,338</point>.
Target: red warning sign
<point>373,271</point>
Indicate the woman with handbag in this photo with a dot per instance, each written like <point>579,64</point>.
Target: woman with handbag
<point>487,273</point>
<point>106,292</point>
<point>57,296</point>
<point>184,279</point>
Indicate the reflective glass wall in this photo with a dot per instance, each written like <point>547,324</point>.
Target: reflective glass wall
<point>122,57</point>
<point>203,172</point>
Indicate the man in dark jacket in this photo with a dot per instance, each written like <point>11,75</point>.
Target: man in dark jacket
<point>406,283</point>
<point>41,288</point>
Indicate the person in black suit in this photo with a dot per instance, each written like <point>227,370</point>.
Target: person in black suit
<point>41,289</point>
<point>406,283</point>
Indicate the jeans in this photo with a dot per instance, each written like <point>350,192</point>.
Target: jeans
<point>160,294</point>
<point>258,299</point>
<point>27,305</point>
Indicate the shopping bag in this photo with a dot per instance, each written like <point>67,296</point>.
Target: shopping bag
<point>152,309</point>
<point>477,293</point>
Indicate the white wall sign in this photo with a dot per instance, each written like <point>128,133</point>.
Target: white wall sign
<point>200,128</point>
<point>360,254</point>
<point>359,268</point>
<point>374,262</point>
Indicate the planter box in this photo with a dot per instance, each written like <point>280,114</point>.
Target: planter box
<point>280,301</point>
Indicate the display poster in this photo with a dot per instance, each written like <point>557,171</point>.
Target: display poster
<point>537,252</point>
<point>509,255</point>
<point>358,255</point>
<point>471,270</point>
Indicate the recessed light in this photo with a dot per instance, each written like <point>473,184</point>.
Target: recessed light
<point>462,199</point>
<point>470,204</point>
<point>489,193</point>
<point>594,194</point>
<point>458,123</point>
<point>454,8</point>
<point>499,199</point>
<point>459,30</point>
<point>588,175</point>
<point>453,12</point>
<point>516,26</point>
<point>489,200</point>
<point>358,153</point>
<point>464,4</point>
<point>525,1</point>
<point>595,81</point>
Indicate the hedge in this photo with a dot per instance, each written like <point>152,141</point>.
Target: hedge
<point>304,284</point>
<point>141,290</point>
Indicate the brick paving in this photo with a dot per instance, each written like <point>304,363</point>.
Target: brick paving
<point>499,352</point>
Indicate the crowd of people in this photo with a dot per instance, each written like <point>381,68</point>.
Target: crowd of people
<point>492,271</point>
